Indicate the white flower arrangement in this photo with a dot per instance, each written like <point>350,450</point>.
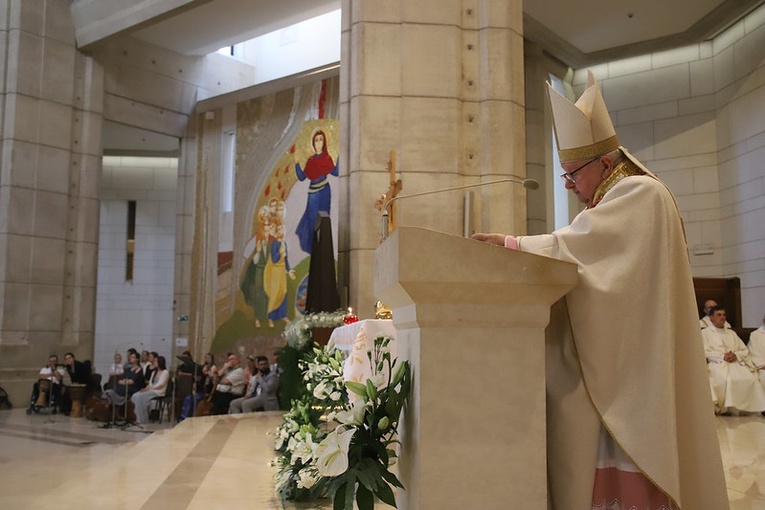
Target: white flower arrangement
<point>297,439</point>
<point>329,447</point>
<point>323,375</point>
<point>298,332</point>
<point>353,460</point>
<point>299,435</point>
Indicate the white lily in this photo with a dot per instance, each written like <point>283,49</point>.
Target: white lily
<point>304,449</point>
<point>355,416</point>
<point>320,389</point>
<point>380,380</point>
<point>307,478</point>
<point>332,452</point>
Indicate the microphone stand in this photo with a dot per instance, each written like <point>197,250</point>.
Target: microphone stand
<point>51,404</point>
<point>113,409</point>
<point>530,184</point>
<point>128,423</point>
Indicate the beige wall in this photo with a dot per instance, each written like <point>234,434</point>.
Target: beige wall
<point>51,115</point>
<point>147,299</point>
<point>440,82</point>
<point>54,101</point>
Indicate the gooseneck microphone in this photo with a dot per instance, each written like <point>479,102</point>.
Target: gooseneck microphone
<point>529,184</point>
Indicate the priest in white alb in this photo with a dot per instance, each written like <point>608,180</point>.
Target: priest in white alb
<point>629,419</point>
<point>733,373</point>
<point>756,348</point>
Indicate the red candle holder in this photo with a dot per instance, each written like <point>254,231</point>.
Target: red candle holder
<point>349,317</point>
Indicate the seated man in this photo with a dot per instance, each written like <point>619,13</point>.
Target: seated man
<point>250,371</point>
<point>731,371</point>
<point>275,367</point>
<point>78,374</point>
<point>47,389</point>
<point>78,371</point>
<point>230,381</point>
<point>710,305</point>
<point>756,348</point>
<point>116,370</point>
<point>262,392</point>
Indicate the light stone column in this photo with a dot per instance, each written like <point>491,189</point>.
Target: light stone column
<point>441,83</point>
<point>51,141</point>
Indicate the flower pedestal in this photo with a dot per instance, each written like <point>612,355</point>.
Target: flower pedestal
<point>482,310</point>
<point>321,335</point>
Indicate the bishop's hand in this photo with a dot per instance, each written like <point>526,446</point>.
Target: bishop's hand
<point>498,239</point>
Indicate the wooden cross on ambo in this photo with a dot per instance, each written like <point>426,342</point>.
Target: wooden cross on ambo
<point>394,188</point>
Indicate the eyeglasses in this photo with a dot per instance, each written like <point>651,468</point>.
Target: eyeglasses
<point>569,176</point>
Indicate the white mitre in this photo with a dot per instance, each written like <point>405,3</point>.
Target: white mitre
<point>582,129</point>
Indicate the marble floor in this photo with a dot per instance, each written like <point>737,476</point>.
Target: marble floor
<point>219,462</point>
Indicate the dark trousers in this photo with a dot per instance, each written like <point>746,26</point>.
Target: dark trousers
<point>220,402</point>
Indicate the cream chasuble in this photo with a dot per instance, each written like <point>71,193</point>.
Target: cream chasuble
<point>624,350</point>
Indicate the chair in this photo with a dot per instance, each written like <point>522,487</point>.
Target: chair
<point>727,293</point>
<point>111,383</point>
<point>45,400</point>
<point>94,389</point>
<point>164,403</point>
<point>184,386</point>
<point>95,383</point>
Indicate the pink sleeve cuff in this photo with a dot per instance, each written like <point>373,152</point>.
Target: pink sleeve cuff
<point>511,242</point>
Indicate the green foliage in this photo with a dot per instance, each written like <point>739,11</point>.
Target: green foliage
<point>319,371</point>
<point>369,457</point>
<point>291,385</point>
<point>352,461</point>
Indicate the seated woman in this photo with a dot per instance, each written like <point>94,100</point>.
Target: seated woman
<point>154,388</point>
<point>116,370</point>
<point>130,382</point>
<point>202,387</point>
<point>204,384</point>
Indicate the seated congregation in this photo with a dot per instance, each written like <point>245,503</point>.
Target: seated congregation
<point>142,389</point>
<point>62,388</point>
<point>233,389</point>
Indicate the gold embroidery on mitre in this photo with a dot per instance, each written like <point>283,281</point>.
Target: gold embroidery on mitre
<point>588,151</point>
<point>624,169</point>
<point>582,129</point>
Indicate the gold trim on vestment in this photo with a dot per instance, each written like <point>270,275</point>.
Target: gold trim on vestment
<point>624,169</point>
<point>588,151</point>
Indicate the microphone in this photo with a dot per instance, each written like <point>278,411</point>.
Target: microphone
<point>529,184</point>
